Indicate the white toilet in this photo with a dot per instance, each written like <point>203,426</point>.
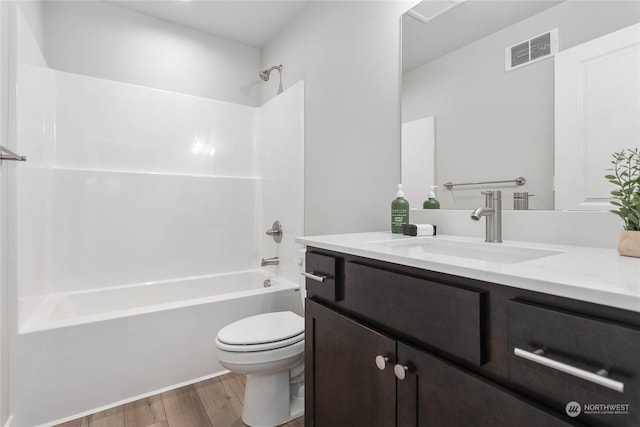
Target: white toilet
<point>269,349</point>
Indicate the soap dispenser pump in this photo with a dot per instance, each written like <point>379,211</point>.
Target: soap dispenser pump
<point>399,212</point>
<point>431,202</point>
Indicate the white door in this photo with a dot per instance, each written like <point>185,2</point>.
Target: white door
<point>597,112</point>
<point>418,160</point>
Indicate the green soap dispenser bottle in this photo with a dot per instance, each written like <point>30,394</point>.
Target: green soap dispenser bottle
<point>399,212</point>
<point>431,202</point>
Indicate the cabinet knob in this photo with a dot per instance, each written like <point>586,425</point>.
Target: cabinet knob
<point>400,371</point>
<point>381,362</point>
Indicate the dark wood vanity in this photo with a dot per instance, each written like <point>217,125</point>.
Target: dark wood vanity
<point>391,345</point>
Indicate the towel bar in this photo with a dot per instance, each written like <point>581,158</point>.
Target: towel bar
<point>10,155</point>
<point>518,181</point>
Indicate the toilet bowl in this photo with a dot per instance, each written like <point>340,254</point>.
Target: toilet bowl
<point>269,349</point>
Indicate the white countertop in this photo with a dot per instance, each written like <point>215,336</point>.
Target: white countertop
<point>589,274</point>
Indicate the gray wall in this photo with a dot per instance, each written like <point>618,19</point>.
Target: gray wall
<point>106,41</point>
<point>492,124</point>
<point>348,55</point>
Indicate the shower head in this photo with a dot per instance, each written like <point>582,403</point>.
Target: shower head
<point>264,75</point>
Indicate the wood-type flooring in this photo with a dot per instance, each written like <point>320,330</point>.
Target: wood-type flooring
<point>216,402</point>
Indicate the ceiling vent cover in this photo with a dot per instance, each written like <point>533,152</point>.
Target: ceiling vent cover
<point>529,51</point>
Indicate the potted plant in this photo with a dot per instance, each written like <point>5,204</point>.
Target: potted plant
<point>626,198</point>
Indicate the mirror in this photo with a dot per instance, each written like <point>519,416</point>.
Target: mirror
<point>492,116</point>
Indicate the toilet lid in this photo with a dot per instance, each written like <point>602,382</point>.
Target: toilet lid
<point>263,328</point>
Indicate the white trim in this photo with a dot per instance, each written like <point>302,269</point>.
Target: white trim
<point>125,401</point>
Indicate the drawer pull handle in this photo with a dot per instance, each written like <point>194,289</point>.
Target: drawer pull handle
<point>316,277</point>
<point>381,362</point>
<point>400,371</point>
<point>599,378</point>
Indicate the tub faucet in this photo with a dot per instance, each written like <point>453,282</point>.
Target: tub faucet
<point>270,261</point>
<point>493,211</point>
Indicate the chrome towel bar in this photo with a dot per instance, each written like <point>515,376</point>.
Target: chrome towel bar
<point>10,155</point>
<point>518,181</point>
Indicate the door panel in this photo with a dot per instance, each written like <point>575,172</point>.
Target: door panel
<point>344,387</point>
<point>597,108</point>
<point>436,393</point>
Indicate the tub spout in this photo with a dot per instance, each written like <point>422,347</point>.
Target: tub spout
<point>270,261</point>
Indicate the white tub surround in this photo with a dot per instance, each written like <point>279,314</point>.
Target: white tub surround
<point>85,352</point>
<point>98,305</point>
<point>140,221</point>
<point>127,269</point>
<point>596,275</point>
<point>122,180</point>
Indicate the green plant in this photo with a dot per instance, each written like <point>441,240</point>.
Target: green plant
<point>626,176</point>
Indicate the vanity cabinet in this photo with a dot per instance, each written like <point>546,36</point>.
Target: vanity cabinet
<point>354,377</point>
<point>390,345</point>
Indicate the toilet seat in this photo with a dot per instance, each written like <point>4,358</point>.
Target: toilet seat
<point>262,332</point>
<point>242,348</point>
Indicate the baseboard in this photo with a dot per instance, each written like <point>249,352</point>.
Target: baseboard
<point>122,402</point>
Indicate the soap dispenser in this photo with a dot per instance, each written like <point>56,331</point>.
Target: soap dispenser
<point>431,202</point>
<point>399,212</point>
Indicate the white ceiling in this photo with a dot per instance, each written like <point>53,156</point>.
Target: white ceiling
<point>459,26</point>
<point>253,23</point>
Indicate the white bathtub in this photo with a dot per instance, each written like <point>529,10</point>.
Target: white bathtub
<point>86,351</point>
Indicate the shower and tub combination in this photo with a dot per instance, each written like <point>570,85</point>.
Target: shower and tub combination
<point>139,224</point>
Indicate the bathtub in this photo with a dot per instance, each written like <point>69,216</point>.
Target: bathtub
<point>82,352</point>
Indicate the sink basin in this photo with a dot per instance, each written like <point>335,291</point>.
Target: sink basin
<point>493,252</point>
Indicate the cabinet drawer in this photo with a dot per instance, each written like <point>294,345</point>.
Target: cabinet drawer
<point>557,356</point>
<point>328,269</point>
<point>442,316</point>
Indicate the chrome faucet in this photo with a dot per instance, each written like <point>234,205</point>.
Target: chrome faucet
<point>270,261</point>
<point>493,211</point>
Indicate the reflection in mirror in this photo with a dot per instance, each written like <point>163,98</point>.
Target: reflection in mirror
<point>418,154</point>
<point>493,121</point>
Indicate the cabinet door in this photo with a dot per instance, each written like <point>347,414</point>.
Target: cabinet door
<point>437,393</point>
<point>343,385</point>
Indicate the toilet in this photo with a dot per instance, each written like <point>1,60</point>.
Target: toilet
<point>269,349</point>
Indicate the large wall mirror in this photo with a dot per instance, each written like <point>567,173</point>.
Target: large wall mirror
<point>492,89</point>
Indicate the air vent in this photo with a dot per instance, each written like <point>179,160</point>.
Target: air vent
<point>529,51</point>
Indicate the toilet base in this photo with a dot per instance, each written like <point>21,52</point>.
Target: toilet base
<point>271,400</point>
